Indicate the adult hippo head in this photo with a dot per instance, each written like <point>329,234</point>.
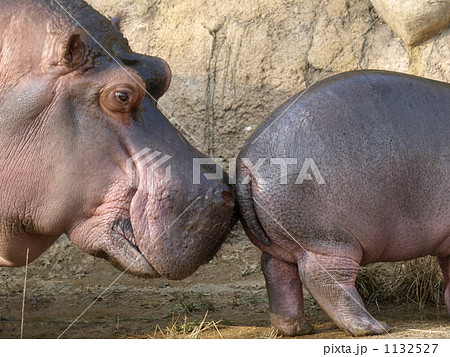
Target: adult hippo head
<point>77,112</point>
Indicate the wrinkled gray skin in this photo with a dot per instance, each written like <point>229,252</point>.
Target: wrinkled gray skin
<point>70,117</point>
<point>381,142</point>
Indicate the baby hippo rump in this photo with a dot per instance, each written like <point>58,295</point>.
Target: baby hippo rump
<point>354,170</point>
<point>85,151</point>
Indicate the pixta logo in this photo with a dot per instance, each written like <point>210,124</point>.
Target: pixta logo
<point>307,172</point>
<point>145,172</point>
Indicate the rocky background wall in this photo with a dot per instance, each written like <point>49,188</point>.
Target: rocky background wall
<point>233,62</point>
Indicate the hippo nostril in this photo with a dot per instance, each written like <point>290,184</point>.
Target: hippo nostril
<point>228,197</point>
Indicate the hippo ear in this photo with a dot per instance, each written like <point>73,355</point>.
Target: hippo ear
<point>75,52</point>
<point>116,22</point>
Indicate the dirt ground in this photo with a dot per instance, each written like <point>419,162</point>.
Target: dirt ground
<point>224,299</point>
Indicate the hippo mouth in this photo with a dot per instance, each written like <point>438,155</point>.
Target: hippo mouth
<point>147,240</point>
<point>129,258</point>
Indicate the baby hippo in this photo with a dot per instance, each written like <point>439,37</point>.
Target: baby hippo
<point>352,171</point>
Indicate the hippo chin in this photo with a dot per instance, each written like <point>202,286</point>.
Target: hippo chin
<point>85,151</point>
<point>359,172</point>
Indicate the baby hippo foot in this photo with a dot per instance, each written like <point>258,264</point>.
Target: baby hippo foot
<point>288,326</point>
<point>285,297</point>
<point>331,281</point>
<point>365,326</point>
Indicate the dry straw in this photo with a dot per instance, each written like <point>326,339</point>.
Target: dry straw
<point>418,282</point>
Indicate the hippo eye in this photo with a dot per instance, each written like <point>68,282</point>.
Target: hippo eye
<point>120,101</point>
<point>123,97</point>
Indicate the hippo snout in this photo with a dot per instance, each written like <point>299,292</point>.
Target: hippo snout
<point>222,195</point>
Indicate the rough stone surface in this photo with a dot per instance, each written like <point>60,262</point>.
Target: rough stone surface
<point>414,21</point>
<point>234,62</point>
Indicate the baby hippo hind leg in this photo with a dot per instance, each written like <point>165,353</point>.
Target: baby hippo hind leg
<point>331,281</point>
<point>285,297</point>
<point>445,267</point>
